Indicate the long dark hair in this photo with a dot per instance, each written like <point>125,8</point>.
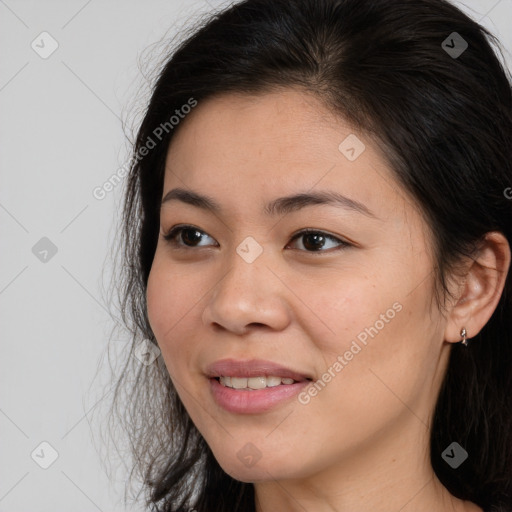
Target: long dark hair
<point>444,122</point>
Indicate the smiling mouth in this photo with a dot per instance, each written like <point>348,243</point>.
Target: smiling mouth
<point>253,386</point>
<point>255,383</point>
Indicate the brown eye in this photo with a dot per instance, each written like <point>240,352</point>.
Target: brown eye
<point>316,241</point>
<point>187,236</point>
<point>313,241</point>
<point>190,236</point>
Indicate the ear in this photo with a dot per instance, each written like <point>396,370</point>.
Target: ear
<point>480,289</point>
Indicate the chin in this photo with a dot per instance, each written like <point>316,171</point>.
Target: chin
<point>248,475</point>
<point>261,471</point>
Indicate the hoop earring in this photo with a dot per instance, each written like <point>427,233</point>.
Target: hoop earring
<point>463,333</point>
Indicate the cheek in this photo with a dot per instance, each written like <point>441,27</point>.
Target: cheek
<point>379,338</point>
<point>169,297</point>
<point>158,300</point>
<point>346,306</point>
<point>381,362</point>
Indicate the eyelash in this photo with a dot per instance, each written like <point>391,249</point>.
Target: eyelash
<point>172,234</point>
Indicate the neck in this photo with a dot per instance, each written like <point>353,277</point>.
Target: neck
<point>390,473</point>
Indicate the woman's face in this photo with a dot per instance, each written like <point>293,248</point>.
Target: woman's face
<point>345,311</point>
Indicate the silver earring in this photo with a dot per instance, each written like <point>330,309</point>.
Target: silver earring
<point>463,333</point>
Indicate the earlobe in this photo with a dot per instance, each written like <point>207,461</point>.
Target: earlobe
<point>481,289</point>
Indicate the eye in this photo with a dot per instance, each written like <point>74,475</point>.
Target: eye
<point>316,241</point>
<point>188,237</point>
<point>185,236</point>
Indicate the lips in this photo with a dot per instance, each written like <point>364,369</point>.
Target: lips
<point>254,386</point>
<point>253,368</point>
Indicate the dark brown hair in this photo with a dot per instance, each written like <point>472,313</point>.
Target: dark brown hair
<point>445,124</point>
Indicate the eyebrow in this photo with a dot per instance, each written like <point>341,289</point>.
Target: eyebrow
<point>279,206</point>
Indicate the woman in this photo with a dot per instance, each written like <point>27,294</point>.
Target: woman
<point>317,239</point>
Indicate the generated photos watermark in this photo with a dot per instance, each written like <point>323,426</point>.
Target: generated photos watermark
<point>343,360</point>
<point>100,192</point>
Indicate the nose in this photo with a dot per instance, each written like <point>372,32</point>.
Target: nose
<point>248,296</point>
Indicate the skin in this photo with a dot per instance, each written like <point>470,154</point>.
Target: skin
<point>362,443</point>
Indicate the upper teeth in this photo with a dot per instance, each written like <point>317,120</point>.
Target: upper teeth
<point>254,382</point>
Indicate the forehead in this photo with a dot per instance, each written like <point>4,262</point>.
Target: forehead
<point>242,147</point>
<point>287,124</point>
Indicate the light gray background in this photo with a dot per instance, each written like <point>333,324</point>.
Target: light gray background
<point>61,136</point>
